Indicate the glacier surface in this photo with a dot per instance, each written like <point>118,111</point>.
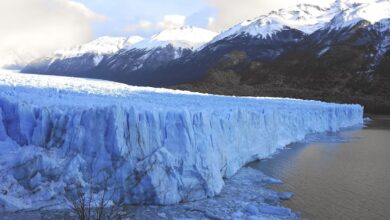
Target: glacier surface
<point>150,146</point>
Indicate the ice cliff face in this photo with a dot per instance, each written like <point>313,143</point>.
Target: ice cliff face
<point>156,146</point>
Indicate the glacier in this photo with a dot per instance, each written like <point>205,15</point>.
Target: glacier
<point>245,196</point>
<point>151,146</point>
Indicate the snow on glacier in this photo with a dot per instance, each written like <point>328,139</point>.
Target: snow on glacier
<point>157,146</point>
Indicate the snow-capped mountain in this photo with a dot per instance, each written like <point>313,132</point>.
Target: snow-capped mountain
<point>351,28</point>
<point>141,63</point>
<point>264,38</point>
<point>101,46</point>
<point>268,36</point>
<point>303,17</point>
<point>309,18</point>
<point>186,37</point>
<point>80,58</point>
<point>118,58</point>
<point>355,11</point>
<point>343,60</point>
<point>358,23</point>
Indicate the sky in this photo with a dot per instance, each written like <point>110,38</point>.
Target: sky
<point>34,28</point>
<point>144,18</point>
<point>141,17</point>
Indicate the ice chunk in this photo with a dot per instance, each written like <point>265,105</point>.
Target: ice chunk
<point>274,210</point>
<point>285,195</point>
<point>251,209</point>
<point>270,180</point>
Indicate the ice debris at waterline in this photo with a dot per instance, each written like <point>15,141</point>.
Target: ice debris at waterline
<point>244,196</point>
<point>150,146</point>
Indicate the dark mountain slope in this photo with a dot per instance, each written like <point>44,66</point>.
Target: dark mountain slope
<point>346,65</point>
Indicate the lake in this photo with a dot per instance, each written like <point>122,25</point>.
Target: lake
<point>344,175</point>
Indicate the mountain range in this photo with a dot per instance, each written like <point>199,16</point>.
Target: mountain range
<point>339,52</point>
<point>133,60</point>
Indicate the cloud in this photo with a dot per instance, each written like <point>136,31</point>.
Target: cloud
<point>141,25</point>
<point>231,12</point>
<point>201,17</point>
<point>171,21</point>
<point>34,28</point>
<point>210,21</point>
<point>167,22</point>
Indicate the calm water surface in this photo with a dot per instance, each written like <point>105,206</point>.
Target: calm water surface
<point>338,176</point>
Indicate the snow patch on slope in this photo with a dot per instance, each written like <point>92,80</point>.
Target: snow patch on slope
<point>383,29</point>
<point>156,145</point>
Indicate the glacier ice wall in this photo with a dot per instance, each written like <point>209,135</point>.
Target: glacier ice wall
<point>156,146</point>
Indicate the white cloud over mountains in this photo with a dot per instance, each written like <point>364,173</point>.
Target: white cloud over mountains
<point>141,25</point>
<point>171,21</point>
<point>34,28</point>
<point>167,22</point>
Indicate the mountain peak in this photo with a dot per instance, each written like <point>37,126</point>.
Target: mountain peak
<point>133,40</point>
<point>309,18</point>
<point>99,46</point>
<point>304,17</point>
<point>184,37</point>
